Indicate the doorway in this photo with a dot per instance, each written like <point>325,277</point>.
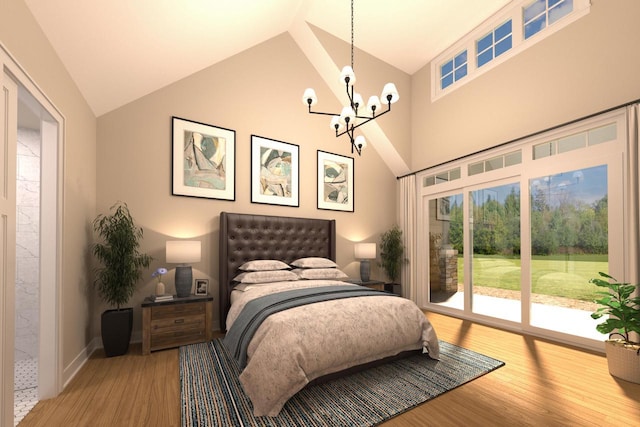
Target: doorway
<point>33,135</point>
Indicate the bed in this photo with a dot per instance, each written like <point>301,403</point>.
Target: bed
<point>307,344</point>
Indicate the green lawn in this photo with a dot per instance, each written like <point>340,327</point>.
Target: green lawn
<point>552,275</point>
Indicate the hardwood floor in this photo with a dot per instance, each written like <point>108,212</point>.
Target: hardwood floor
<point>542,384</point>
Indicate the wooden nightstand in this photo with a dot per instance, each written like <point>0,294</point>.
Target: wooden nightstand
<point>373,284</point>
<point>168,324</point>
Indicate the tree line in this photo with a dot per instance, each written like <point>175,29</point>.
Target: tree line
<point>566,226</point>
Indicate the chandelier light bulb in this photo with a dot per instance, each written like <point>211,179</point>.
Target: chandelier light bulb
<point>336,124</point>
<point>309,94</point>
<point>360,142</point>
<point>347,73</point>
<point>390,90</point>
<point>373,105</point>
<point>358,102</point>
<point>347,116</point>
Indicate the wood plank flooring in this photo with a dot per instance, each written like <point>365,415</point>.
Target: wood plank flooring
<point>542,384</point>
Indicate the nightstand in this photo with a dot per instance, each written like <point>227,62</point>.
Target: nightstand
<point>373,284</point>
<point>167,324</point>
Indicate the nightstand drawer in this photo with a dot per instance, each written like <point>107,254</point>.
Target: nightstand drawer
<point>170,324</point>
<point>177,310</point>
<point>175,338</point>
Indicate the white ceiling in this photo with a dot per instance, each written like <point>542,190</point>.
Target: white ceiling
<point>119,50</point>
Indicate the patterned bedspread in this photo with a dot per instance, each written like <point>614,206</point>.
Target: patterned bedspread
<point>295,346</point>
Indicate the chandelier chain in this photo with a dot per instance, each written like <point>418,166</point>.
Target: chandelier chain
<point>352,34</point>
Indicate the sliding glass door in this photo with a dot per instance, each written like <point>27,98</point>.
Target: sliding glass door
<point>494,222</point>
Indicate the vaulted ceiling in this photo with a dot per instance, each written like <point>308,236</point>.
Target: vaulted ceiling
<point>120,50</point>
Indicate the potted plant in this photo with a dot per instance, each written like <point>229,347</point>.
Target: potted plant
<point>617,301</point>
<point>121,269</point>
<point>391,253</point>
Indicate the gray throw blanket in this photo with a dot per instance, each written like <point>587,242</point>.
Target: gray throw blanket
<point>256,311</point>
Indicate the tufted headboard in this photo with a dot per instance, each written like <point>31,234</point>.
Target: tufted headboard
<point>246,237</point>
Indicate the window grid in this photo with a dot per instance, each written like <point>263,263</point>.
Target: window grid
<point>441,177</point>
<point>495,43</point>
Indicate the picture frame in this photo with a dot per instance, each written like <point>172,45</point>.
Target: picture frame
<point>201,286</point>
<point>275,172</point>
<point>443,209</point>
<point>335,182</point>
<point>203,160</point>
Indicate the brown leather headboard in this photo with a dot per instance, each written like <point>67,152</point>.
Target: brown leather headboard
<point>245,237</point>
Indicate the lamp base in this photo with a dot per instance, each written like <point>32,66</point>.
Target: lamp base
<point>184,280</point>
<point>365,270</point>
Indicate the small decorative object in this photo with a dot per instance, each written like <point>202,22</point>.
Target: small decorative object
<point>201,286</point>
<point>364,252</point>
<point>160,288</point>
<point>183,252</point>
<point>116,280</point>
<point>391,252</point>
<point>617,302</point>
<point>335,182</point>
<point>204,163</point>
<point>275,172</point>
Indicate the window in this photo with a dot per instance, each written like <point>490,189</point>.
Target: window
<point>494,44</point>
<point>537,14</point>
<point>500,37</point>
<point>453,70</point>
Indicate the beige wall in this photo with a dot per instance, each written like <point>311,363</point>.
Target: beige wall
<point>259,92</point>
<point>589,66</point>
<point>22,37</point>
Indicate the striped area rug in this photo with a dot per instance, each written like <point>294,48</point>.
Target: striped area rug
<point>212,395</point>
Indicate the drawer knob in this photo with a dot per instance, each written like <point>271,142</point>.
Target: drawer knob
<point>179,321</point>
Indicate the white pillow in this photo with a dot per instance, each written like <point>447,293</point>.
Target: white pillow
<point>264,265</point>
<point>320,273</point>
<point>266,276</point>
<point>314,262</point>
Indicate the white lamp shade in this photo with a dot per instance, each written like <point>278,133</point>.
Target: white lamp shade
<point>374,101</point>
<point>365,250</point>
<point>309,94</point>
<point>362,143</point>
<point>335,120</point>
<point>390,89</point>
<point>347,71</point>
<point>347,112</point>
<point>183,251</point>
<point>358,102</point>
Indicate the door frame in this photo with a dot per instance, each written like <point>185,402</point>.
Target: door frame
<point>50,369</point>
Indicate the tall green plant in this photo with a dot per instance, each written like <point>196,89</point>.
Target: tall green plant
<point>617,301</point>
<point>121,260</point>
<point>391,252</point>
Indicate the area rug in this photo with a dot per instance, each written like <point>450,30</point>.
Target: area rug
<point>211,394</point>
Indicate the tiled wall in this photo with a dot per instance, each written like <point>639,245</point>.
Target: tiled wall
<point>27,240</point>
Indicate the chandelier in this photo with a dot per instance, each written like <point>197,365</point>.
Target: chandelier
<point>350,118</point>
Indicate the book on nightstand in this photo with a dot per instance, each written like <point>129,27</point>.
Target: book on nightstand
<point>163,297</point>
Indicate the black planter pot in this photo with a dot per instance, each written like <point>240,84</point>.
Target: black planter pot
<point>116,331</point>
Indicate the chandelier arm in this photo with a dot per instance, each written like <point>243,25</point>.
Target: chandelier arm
<point>324,114</point>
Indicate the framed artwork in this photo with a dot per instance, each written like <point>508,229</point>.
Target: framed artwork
<point>204,163</point>
<point>275,172</point>
<point>443,209</point>
<point>202,286</point>
<point>335,182</point>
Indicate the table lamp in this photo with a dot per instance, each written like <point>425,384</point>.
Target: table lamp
<point>183,252</point>
<point>364,252</point>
